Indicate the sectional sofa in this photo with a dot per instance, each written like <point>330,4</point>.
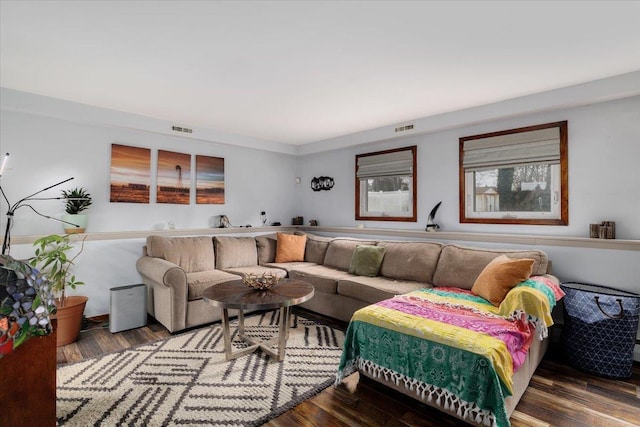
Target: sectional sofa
<point>177,270</point>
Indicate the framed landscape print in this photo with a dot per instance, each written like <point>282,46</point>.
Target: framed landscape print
<point>209,180</point>
<point>130,174</point>
<point>174,178</point>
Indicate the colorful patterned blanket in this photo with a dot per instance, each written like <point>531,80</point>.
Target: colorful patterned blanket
<point>451,347</point>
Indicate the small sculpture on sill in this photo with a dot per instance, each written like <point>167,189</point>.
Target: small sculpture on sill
<point>431,225</point>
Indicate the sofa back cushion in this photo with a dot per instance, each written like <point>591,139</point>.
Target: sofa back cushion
<point>410,260</point>
<point>234,252</point>
<point>192,254</point>
<point>267,245</point>
<point>460,266</point>
<point>340,251</point>
<point>316,247</point>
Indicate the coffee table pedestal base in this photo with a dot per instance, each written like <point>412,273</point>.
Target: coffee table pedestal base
<point>266,346</point>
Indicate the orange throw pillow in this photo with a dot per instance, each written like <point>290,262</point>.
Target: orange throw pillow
<point>290,248</point>
<point>500,276</point>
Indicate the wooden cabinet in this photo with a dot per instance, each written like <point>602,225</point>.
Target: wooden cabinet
<point>28,384</point>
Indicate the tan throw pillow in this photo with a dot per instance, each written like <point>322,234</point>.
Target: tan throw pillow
<point>290,248</point>
<point>499,276</point>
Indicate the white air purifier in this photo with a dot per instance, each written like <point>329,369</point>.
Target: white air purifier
<point>128,308</point>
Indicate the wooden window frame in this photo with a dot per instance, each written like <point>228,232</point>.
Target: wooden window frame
<point>414,175</point>
<point>563,177</point>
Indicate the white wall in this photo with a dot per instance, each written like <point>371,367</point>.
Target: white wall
<point>604,183</point>
<point>47,148</point>
<point>604,180</point>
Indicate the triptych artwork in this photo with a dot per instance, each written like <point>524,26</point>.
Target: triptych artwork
<point>131,177</point>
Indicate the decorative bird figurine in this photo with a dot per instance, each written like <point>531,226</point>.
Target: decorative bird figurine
<point>432,226</point>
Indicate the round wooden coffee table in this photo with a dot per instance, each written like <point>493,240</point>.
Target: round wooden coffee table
<point>237,295</point>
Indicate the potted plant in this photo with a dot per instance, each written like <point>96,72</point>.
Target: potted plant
<point>77,200</point>
<point>26,301</point>
<point>51,256</point>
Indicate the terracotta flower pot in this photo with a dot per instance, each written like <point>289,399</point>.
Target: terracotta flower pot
<point>68,319</point>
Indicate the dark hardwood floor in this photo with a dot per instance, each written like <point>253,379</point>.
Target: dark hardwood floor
<point>558,395</point>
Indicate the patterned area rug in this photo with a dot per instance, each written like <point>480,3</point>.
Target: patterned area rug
<point>185,380</point>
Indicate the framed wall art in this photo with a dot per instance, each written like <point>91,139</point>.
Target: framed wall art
<point>173,178</point>
<point>209,180</point>
<point>130,174</point>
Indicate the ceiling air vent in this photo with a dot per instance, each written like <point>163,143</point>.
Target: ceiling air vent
<point>181,129</point>
<point>404,128</point>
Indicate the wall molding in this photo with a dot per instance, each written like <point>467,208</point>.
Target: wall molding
<point>515,239</point>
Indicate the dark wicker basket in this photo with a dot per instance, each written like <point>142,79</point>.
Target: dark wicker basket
<point>600,328</point>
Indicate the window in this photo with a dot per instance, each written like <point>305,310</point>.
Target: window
<point>386,185</point>
<point>517,176</point>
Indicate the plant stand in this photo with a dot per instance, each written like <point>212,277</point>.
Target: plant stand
<point>28,383</point>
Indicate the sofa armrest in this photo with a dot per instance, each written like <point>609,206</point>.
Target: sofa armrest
<point>167,287</point>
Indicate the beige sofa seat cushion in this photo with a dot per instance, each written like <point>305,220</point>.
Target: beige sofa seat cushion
<point>288,266</point>
<point>234,252</point>
<point>192,254</point>
<point>460,266</point>
<point>198,282</point>
<point>414,261</point>
<point>257,270</point>
<point>316,247</point>
<point>341,250</point>
<point>376,289</point>
<point>324,279</point>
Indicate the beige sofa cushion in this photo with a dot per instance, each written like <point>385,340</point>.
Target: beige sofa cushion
<point>198,282</point>
<point>376,289</point>
<point>235,252</point>
<point>266,248</point>
<point>316,247</point>
<point>340,251</point>
<point>192,254</point>
<point>415,261</point>
<point>288,266</point>
<point>460,266</point>
<point>324,279</point>
<point>256,270</point>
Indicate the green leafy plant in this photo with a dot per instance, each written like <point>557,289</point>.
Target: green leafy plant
<point>52,259</point>
<point>77,200</point>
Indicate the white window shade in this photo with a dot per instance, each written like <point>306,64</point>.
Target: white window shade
<point>397,163</point>
<point>539,146</point>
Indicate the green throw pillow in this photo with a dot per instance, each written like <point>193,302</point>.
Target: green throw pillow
<point>366,260</point>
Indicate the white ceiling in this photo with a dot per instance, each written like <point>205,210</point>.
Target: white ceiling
<point>299,72</point>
